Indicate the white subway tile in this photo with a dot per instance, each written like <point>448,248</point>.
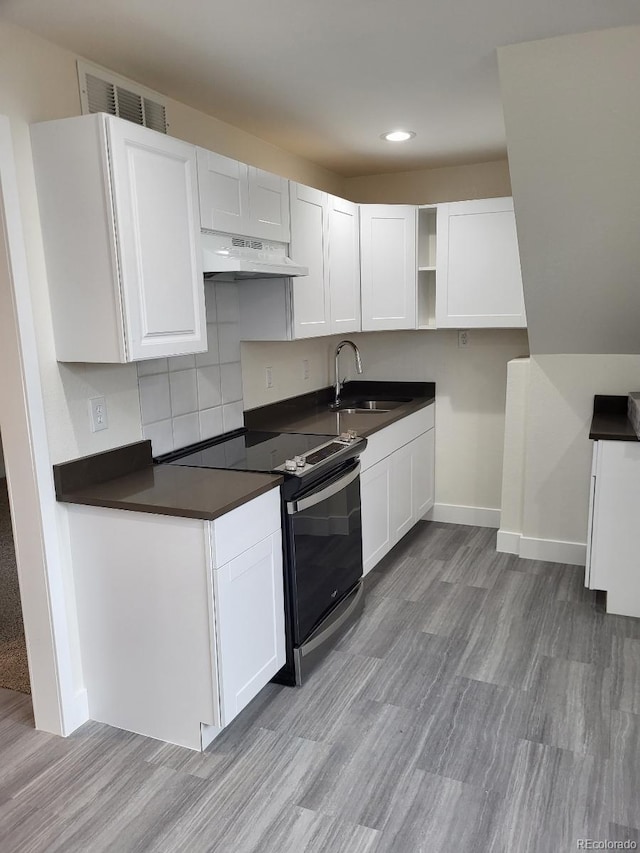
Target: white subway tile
<point>211,422</point>
<point>231,377</point>
<point>209,390</point>
<point>152,365</point>
<point>161,435</point>
<point>155,400</point>
<point>184,392</point>
<point>227,302</point>
<point>229,342</point>
<point>181,362</point>
<point>233,416</point>
<point>186,430</point>
<point>210,301</point>
<point>211,356</point>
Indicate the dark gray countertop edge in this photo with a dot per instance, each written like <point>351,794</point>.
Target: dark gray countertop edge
<point>100,467</point>
<point>175,512</point>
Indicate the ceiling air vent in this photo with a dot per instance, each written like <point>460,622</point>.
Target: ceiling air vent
<point>104,92</point>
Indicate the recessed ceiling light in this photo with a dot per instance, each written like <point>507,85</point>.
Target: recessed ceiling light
<point>398,135</point>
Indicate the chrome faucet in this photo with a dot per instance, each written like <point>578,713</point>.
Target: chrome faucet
<point>339,383</point>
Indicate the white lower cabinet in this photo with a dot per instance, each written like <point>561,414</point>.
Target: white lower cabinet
<point>612,542</point>
<point>181,620</point>
<point>248,601</point>
<point>402,505</point>
<point>397,483</point>
<point>375,489</point>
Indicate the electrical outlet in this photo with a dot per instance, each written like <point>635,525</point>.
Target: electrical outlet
<point>463,338</point>
<point>98,414</point>
<point>306,370</point>
<point>268,377</point>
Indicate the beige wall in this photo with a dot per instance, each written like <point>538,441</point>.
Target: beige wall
<point>572,114</point>
<point>428,186</point>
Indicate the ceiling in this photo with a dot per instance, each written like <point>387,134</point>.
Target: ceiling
<point>324,78</point>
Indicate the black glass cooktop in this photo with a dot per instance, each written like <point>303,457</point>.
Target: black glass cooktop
<point>250,451</point>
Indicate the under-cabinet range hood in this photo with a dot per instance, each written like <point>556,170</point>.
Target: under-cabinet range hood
<point>245,257</point>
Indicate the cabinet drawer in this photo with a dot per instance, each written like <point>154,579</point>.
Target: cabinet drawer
<point>240,529</point>
<point>396,435</point>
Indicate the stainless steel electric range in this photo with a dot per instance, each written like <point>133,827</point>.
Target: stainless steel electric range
<point>321,524</point>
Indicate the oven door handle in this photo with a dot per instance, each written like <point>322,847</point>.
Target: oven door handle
<point>318,497</point>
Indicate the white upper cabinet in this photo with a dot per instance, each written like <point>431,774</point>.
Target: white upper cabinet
<point>268,206</point>
<point>119,215</point>
<point>240,199</point>
<point>388,266</point>
<point>324,238</point>
<point>344,266</point>
<point>310,247</point>
<point>478,265</point>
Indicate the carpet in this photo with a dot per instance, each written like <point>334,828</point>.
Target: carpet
<point>14,669</point>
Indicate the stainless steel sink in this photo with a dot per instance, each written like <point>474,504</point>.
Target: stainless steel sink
<point>361,407</point>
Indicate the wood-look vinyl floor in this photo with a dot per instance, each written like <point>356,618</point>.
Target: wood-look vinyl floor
<point>483,703</point>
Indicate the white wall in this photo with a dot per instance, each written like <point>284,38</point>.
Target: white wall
<point>572,116</point>
<point>470,393</point>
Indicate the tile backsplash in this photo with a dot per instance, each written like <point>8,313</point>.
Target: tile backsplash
<point>189,398</point>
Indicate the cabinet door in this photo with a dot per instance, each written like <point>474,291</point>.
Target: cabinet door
<point>375,498</point>
<point>155,198</point>
<point>402,491</point>
<point>478,265</point>
<point>311,305</point>
<point>389,266</point>
<point>249,608</point>
<point>268,206</point>
<point>423,473</point>
<point>223,186</point>
<point>344,266</point>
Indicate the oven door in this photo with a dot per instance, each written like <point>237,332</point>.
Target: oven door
<point>325,529</point>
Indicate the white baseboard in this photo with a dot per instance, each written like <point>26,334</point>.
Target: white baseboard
<point>553,550</point>
<point>77,714</point>
<point>508,542</point>
<point>549,550</point>
<point>476,516</point>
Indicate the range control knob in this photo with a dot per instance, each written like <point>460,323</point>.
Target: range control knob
<point>300,461</point>
<point>344,436</point>
<point>290,465</point>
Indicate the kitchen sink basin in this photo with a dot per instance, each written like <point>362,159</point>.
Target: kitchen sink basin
<point>361,407</point>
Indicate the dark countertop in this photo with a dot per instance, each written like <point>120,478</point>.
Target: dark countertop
<point>126,478</point>
<point>610,421</point>
<point>310,413</point>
